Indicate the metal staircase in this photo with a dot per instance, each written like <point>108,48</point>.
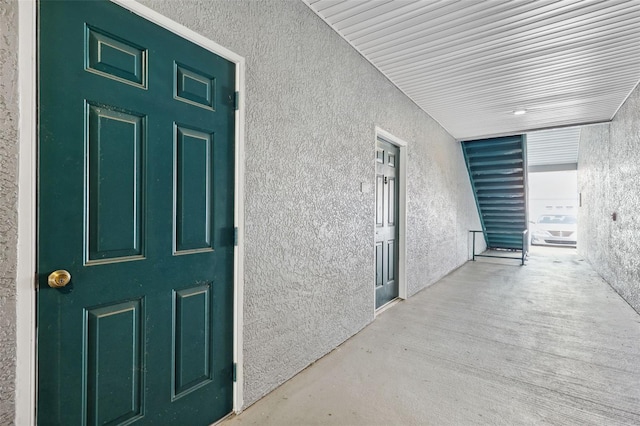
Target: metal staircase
<point>498,172</point>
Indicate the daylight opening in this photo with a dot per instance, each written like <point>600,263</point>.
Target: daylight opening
<point>553,208</point>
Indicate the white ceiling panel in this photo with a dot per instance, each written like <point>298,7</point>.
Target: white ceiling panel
<point>553,147</point>
<point>470,64</point>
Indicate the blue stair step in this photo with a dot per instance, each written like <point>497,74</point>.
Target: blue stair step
<point>493,153</point>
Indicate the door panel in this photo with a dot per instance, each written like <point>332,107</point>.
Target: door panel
<point>192,189</point>
<point>195,86</point>
<point>135,200</point>
<point>114,336</point>
<point>391,261</point>
<point>386,222</point>
<point>379,264</point>
<point>191,337</point>
<point>115,57</point>
<point>115,209</point>
<point>391,202</point>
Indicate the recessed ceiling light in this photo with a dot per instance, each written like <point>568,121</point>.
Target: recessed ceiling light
<point>519,112</point>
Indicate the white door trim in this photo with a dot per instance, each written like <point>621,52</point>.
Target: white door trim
<point>25,273</point>
<point>26,378</point>
<point>402,214</point>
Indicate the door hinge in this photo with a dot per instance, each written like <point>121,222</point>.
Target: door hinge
<point>235,372</point>
<point>236,101</point>
<point>235,236</point>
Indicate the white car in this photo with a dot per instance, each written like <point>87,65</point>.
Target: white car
<point>555,230</point>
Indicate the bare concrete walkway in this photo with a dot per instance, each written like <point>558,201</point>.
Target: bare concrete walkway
<point>492,343</point>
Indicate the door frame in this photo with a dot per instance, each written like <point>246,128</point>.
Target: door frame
<point>26,280</point>
<point>402,216</point>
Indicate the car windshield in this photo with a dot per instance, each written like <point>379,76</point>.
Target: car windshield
<point>557,219</point>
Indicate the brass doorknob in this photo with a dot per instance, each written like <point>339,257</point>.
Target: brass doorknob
<point>59,278</point>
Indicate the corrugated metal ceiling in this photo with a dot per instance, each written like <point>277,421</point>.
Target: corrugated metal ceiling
<point>470,64</point>
<point>553,147</point>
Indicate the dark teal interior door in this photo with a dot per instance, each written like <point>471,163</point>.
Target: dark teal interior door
<point>387,164</point>
<point>135,201</point>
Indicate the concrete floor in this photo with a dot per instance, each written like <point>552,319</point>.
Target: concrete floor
<point>491,343</point>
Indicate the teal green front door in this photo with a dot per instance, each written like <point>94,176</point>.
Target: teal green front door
<point>135,201</point>
<point>387,164</point>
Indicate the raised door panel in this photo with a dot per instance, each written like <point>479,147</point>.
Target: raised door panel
<point>192,354</point>
<point>114,163</point>
<point>391,201</point>
<point>194,86</point>
<point>115,57</point>
<point>379,200</point>
<point>391,261</point>
<point>379,264</point>
<point>114,363</point>
<point>193,190</point>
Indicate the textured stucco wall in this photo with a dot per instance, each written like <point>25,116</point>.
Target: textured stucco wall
<point>8,203</point>
<point>594,221</point>
<point>312,105</point>
<point>608,171</point>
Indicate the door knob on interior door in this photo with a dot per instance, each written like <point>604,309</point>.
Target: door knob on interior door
<point>59,278</point>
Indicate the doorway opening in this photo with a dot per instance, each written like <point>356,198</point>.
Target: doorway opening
<point>552,159</point>
<point>553,208</point>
